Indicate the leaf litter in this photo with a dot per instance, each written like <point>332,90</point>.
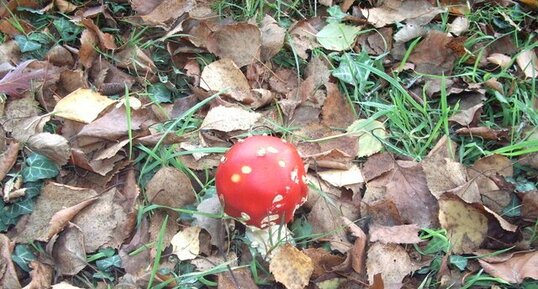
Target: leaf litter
<point>111,130</point>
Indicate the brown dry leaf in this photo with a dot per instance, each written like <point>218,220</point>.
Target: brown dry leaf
<point>392,261</point>
<point>239,42</point>
<point>68,251</point>
<point>483,132</point>
<point>165,11</point>
<point>323,261</point>
<point>213,226</point>
<point>224,75</point>
<point>404,234</point>
<point>341,178</point>
<point>134,58</point>
<point>303,36</point>
<point>291,267</point>
<point>60,56</point>
<point>53,198</point>
<point>65,6</point>
<point>444,174</point>
<point>170,187</point>
<point>469,116</point>
<point>431,55</point>
<point>326,218</point>
<point>115,125</point>
<point>103,223</point>
<point>404,183</point>
<point>500,59</point>
<point>41,275</point>
<point>8,158</point>
<point>392,11</point>
<point>108,78</point>
<point>466,225</point>
<point>336,111</point>
<point>8,273</point>
<point>136,264</point>
<point>106,40</point>
<point>83,105</point>
<point>186,243</point>
<point>483,170</point>
<point>61,218</point>
<point>529,205</point>
<point>528,62</point>
<point>357,253</point>
<point>239,278</point>
<point>516,269</point>
<point>53,146</point>
<point>272,38</point>
<point>227,119</point>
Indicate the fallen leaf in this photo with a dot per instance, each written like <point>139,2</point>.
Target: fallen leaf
<point>41,275</point>
<point>65,6</point>
<point>528,62</point>
<point>403,234</point>
<point>394,11</point>
<point>186,243</point>
<point>444,174</point>
<point>323,261</point>
<point>224,75</point>
<point>83,105</point>
<point>9,277</point>
<point>303,37</point>
<point>467,117</point>
<point>431,55</point>
<point>165,11</point>
<point>229,119</point>
<point>15,82</point>
<point>103,223</point>
<point>516,269</point>
<point>291,267</point>
<point>8,158</point>
<point>61,218</point>
<point>392,261</point>
<point>484,133</point>
<point>68,251</point>
<point>336,110</point>
<point>404,183</point>
<point>87,53</point>
<point>53,198</point>
<point>337,36</point>
<point>53,146</point>
<point>500,59</point>
<point>238,278</point>
<point>466,225</point>
<point>239,42</point>
<point>106,40</point>
<point>341,178</point>
<point>213,226</point>
<point>357,253</point>
<point>482,172</point>
<point>272,38</point>
<point>370,134</point>
<point>459,26</point>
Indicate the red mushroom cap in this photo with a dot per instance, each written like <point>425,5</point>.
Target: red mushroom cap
<point>261,181</point>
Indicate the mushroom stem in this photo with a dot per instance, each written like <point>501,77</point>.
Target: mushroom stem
<point>266,240</point>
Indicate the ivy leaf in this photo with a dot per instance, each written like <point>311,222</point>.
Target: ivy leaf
<point>27,45</point>
<point>18,209</point>
<point>106,264</point>
<point>459,261</point>
<point>349,72</point>
<point>68,30</point>
<point>337,36</point>
<point>39,167</point>
<point>160,92</point>
<point>336,14</point>
<point>22,256</point>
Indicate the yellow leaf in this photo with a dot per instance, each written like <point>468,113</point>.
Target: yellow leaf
<point>83,105</point>
<point>291,267</point>
<point>186,244</point>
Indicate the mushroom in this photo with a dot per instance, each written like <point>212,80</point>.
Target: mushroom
<point>261,181</point>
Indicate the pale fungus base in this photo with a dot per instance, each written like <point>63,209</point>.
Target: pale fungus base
<point>266,240</point>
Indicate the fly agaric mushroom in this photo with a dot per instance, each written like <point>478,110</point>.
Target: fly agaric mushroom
<point>261,181</point>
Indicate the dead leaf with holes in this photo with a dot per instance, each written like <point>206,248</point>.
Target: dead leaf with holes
<point>466,224</point>
<point>227,119</point>
<point>402,182</point>
<point>239,42</point>
<point>291,267</point>
<point>392,261</point>
<point>186,243</point>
